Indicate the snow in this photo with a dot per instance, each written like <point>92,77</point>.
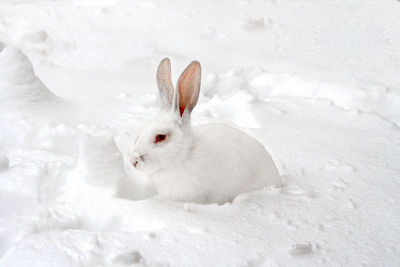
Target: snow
<point>316,82</point>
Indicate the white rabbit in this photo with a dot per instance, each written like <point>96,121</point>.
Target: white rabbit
<point>203,164</point>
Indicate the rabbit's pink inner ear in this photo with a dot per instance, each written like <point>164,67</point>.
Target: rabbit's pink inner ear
<point>165,87</point>
<point>181,110</point>
<point>189,87</point>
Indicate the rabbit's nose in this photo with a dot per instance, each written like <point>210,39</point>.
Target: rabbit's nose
<point>134,161</point>
<point>137,158</point>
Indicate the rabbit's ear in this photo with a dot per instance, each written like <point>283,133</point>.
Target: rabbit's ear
<point>188,87</point>
<point>165,87</point>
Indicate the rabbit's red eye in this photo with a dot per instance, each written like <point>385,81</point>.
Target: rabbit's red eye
<point>160,138</point>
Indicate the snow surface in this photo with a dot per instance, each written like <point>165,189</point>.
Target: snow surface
<point>317,82</point>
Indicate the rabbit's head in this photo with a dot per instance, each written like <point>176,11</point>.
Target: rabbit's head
<point>167,140</point>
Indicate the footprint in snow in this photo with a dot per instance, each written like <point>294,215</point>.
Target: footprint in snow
<point>127,257</point>
<point>335,164</point>
<point>4,163</point>
<point>252,24</point>
<point>339,185</point>
<point>295,189</point>
<point>300,249</point>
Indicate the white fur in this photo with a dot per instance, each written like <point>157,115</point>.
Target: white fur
<point>208,163</point>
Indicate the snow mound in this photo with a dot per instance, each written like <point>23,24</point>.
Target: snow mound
<point>100,162</point>
<point>15,67</point>
<point>18,83</point>
<point>25,101</point>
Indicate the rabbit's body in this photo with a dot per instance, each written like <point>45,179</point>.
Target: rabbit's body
<point>237,163</point>
<point>207,163</point>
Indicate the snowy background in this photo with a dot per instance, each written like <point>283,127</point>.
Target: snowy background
<point>317,82</point>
